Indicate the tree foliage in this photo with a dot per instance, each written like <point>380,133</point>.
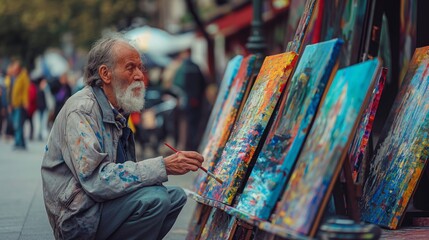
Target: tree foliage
<point>29,27</point>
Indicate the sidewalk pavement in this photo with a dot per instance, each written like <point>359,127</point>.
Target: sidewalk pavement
<point>22,211</point>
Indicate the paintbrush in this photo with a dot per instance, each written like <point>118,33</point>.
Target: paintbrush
<point>202,168</point>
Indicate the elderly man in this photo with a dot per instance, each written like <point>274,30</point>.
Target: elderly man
<point>93,187</point>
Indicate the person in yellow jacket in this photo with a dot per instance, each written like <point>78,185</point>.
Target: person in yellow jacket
<point>18,82</point>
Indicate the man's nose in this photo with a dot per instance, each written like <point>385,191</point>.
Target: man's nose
<point>139,76</point>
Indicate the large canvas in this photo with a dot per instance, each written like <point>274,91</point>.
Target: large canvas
<point>345,19</point>
<point>359,144</point>
<point>224,89</point>
<point>419,57</point>
<point>247,132</point>
<point>226,120</point>
<point>324,150</point>
<point>402,151</point>
<point>292,124</point>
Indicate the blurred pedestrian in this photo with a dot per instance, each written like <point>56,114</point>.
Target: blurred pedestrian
<point>3,108</point>
<point>32,96</point>
<point>6,108</point>
<point>62,93</point>
<point>93,186</point>
<point>43,106</point>
<point>169,72</point>
<point>191,82</point>
<point>18,84</point>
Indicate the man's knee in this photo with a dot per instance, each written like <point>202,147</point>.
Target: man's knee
<point>177,196</point>
<point>154,199</point>
<point>160,198</point>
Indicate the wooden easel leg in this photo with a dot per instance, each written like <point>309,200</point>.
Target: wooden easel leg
<point>233,230</point>
<point>338,194</point>
<point>345,196</point>
<point>261,235</point>
<point>201,215</point>
<point>242,231</point>
<point>203,220</point>
<point>248,235</point>
<point>351,198</point>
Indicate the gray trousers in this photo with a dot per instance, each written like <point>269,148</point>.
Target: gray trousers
<point>147,213</point>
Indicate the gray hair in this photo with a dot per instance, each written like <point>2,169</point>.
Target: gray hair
<point>102,52</point>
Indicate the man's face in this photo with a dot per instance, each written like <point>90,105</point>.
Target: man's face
<point>14,68</point>
<point>127,79</point>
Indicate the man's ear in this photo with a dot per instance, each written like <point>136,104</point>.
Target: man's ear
<point>105,74</point>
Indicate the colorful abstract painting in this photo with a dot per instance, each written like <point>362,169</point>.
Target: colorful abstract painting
<point>295,44</point>
<point>219,226</point>
<point>402,151</point>
<point>224,89</point>
<point>318,166</point>
<point>359,144</point>
<point>419,57</point>
<point>292,124</point>
<point>224,124</point>
<point>345,19</point>
<point>249,127</point>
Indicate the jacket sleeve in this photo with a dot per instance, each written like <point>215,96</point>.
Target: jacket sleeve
<point>97,172</point>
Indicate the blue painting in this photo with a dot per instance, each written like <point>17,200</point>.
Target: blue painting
<point>290,128</point>
<point>317,169</point>
<point>403,149</point>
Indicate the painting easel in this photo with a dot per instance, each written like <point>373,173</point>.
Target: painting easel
<point>346,194</point>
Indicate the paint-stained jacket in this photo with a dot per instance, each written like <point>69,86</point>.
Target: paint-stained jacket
<point>79,171</point>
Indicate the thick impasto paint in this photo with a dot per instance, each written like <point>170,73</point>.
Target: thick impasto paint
<point>292,124</point>
<point>249,127</point>
<point>224,89</point>
<point>225,122</point>
<point>324,150</point>
<point>359,144</point>
<point>402,150</point>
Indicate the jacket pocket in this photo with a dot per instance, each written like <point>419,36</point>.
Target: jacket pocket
<point>69,192</point>
<point>72,197</point>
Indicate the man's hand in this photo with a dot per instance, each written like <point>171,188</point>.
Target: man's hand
<point>183,162</point>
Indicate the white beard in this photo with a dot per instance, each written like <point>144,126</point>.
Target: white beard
<point>128,100</point>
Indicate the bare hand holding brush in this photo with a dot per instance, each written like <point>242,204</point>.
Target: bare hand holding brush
<point>201,167</point>
<point>183,162</point>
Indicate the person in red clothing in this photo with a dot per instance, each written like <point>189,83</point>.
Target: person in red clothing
<point>32,99</point>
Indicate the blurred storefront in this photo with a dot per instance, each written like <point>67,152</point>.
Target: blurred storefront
<point>226,22</point>
<point>230,29</point>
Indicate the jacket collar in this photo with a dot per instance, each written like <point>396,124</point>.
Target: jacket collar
<point>106,109</point>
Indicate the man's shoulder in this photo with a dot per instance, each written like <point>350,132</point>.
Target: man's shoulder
<point>83,100</point>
